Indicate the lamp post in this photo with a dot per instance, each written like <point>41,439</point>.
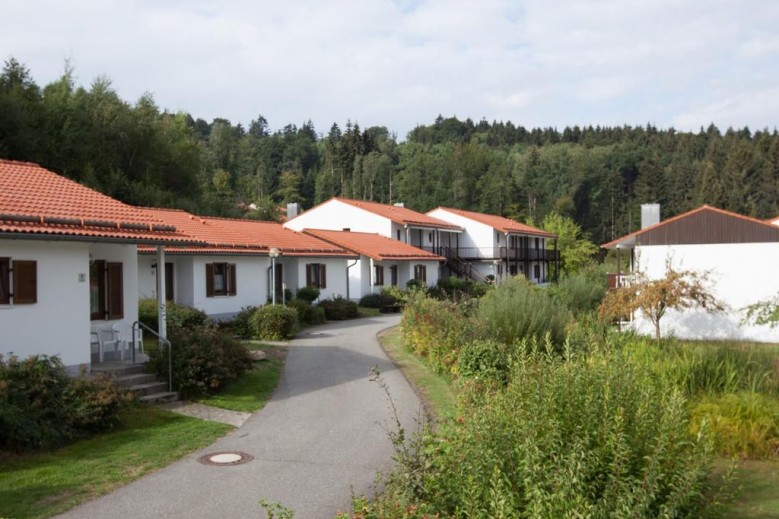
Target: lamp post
<point>273,253</point>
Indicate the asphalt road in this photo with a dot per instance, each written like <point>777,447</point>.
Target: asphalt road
<point>321,437</point>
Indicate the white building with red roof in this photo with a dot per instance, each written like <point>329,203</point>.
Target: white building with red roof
<point>500,247</point>
<point>68,266</point>
<point>734,249</point>
<point>233,268</point>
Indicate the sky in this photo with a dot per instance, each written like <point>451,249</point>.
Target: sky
<point>400,63</point>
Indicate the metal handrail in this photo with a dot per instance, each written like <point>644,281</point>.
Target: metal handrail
<point>162,340</point>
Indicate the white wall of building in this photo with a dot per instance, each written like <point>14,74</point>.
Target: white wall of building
<point>58,324</point>
<point>128,256</point>
<point>251,273</point>
<point>335,215</point>
<point>335,276</point>
<point>741,274</point>
<point>476,234</point>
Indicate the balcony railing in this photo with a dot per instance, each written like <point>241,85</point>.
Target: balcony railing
<point>614,281</point>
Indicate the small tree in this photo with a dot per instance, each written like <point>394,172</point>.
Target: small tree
<point>677,290</point>
<point>762,313</point>
<point>576,250</point>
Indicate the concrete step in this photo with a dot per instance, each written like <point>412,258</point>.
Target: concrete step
<point>149,388</point>
<point>128,381</point>
<point>119,369</point>
<point>159,398</point>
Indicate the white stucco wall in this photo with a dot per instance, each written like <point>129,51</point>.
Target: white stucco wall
<point>741,274</point>
<point>335,215</point>
<point>251,283</point>
<point>476,233</point>
<point>58,324</point>
<point>182,273</point>
<point>335,272</point>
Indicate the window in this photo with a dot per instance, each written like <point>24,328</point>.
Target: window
<point>378,275</point>
<point>220,279</point>
<point>398,234</point>
<point>394,275</point>
<point>537,271</point>
<point>24,288</point>
<point>316,275</point>
<point>420,273</point>
<point>106,295</point>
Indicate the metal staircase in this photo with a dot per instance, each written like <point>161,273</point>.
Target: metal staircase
<point>461,267</point>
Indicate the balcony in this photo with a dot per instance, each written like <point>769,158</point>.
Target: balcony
<point>614,281</point>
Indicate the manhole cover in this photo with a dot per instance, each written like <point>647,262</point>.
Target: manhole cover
<point>224,459</point>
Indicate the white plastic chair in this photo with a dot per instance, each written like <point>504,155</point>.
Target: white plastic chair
<point>107,337</point>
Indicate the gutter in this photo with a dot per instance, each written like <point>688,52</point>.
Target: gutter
<point>347,276</point>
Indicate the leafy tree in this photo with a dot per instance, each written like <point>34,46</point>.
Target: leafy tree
<point>677,290</point>
<point>576,251</point>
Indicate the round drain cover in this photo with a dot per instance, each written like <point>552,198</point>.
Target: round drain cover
<point>226,458</point>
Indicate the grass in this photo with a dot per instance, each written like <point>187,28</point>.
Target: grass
<point>435,390</point>
<point>365,311</point>
<point>252,391</point>
<point>759,495</point>
<point>42,485</point>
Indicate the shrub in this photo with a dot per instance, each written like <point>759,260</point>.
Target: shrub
<point>582,292</point>
<point>308,314</point>
<point>339,309</point>
<point>516,310</point>
<point>241,324</point>
<point>484,359</point>
<point>416,284</point>
<point>308,294</point>
<point>204,359</point>
<point>41,407</point>
<point>744,424</point>
<point>177,315</point>
<point>378,300</point>
<point>456,288</point>
<point>273,322</point>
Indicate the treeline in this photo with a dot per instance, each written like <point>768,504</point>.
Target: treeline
<point>597,175</point>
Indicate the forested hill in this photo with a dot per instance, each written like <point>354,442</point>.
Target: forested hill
<point>599,176</point>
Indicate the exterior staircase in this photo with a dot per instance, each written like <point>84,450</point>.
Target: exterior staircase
<point>135,379</point>
<point>462,268</point>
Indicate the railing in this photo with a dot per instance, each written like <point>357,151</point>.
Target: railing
<point>507,253</point>
<point>162,340</point>
<point>614,281</point>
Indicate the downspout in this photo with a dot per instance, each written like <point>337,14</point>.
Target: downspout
<point>162,312</point>
<point>408,233</point>
<point>271,281</point>
<point>506,268</point>
<point>373,275</point>
<point>347,277</point>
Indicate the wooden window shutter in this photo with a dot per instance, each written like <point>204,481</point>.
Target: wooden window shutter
<point>25,282</point>
<point>5,277</point>
<point>209,280</point>
<point>233,288</point>
<point>115,296</point>
<point>308,274</point>
<point>322,275</point>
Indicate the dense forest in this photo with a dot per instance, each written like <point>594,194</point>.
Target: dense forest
<point>599,176</point>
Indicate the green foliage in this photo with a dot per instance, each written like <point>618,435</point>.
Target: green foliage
<point>339,309</point>
<point>273,322</point>
<point>378,300</point>
<point>307,313</point>
<point>517,310</point>
<point>205,359</point>
<point>177,315</point>
<point>576,250</point>
<point>581,292</point>
<point>308,294</point>
<point>241,323</point>
<point>763,313</point>
<point>484,359</point>
<point>744,424</point>
<point>455,288</point>
<point>41,407</point>
<point>416,284</point>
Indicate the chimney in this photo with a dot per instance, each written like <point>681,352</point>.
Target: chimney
<point>650,215</point>
<point>399,204</point>
<point>292,210</point>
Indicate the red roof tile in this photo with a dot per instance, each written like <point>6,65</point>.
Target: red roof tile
<point>400,215</point>
<point>36,201</point>
<point>374,245</point>
<point>499,223</point>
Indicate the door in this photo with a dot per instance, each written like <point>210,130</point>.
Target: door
<point>169,294</point>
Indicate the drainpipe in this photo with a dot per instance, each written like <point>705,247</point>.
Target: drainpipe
<point>373,275</point>
<point>161,307</point>
<point>347,276</point>
<point>408,233</point>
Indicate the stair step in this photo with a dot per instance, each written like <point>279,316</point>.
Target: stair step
<point>148,388</point>
<point>159,398</point>
<point>119,370</point>
<point>128,381</point>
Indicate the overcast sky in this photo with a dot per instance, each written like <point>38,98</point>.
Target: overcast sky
<point>680,63</point>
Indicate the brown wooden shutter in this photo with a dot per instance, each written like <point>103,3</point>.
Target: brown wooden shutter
<point>5,277</point>
<point>25,282</point>
<point>308,274</point>
<point>209,280</point>
<point>169,281</point>
<point>322,275</point>
<point>115,296</point>
<point>233,288</point>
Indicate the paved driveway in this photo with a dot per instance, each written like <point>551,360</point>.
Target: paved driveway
<point>322,434</point>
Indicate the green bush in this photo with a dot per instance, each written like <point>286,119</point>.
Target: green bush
<point>378,300</point>
<point>416,284</point>
<point>456,288</point>
<point>204,359</point>
<point>42,407</point>
<point>273,322</point>
<point>517,310</point>
<point>484,359</point>
<point>241,324</point>
<point>744,424</point>
<point>308,314</point>
<point>339,309</point>
<point>177,315</point>
<point>308,294</point>
<point>582,292</point>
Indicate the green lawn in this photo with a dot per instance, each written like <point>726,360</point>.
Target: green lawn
<point>758,497</point>
<point>42,485</point>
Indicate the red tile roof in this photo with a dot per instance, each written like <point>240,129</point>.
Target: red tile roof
<point>374,245</point>
<point>36,201</point>
<point>629,239</point>
<point>400,215</point>
<point>237,236</point>
<point>499,223</point>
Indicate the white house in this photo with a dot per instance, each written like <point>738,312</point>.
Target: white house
<point>738,252</point>
<point>68,265</point>
<point>235,267</point>
<point>497,246</point>
<point>382,262</point>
